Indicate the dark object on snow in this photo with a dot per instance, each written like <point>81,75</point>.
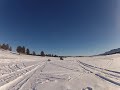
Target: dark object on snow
<point>61,58</point>
<point>88,88</point>
<point>49,60</point>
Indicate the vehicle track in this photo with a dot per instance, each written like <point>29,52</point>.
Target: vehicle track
<point>41,77</point>
<point>9,78</point>
<point>101,73</point>
<point>23,82</point>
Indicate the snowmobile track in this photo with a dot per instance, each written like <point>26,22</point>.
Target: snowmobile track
<point>101,73</point>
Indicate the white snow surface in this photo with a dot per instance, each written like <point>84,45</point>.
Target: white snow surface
<point>25,72</point>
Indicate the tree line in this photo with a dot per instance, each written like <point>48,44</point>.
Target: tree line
<point>5,47</point>
<point>24,50</point>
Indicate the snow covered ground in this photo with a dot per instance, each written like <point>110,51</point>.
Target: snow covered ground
<point>24,72</point>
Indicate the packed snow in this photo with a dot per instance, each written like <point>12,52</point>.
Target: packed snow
<point>25,72</point>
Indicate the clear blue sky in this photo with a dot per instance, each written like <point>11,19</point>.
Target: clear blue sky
<point>63,27</point>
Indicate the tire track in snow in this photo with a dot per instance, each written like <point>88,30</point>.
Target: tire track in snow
<point>11,76</point>
<point>98,73</point>
<point>111,74</point>
<point>41,67</point>
<point>11,85</point>
<point>20,79</point>
<point>41,77</point>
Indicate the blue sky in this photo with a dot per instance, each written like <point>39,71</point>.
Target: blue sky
<point>63,27</point>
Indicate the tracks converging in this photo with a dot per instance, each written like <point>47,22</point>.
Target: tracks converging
<point>35,75</point>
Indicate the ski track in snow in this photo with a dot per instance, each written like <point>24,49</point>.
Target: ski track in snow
<point>11,76</point>
<point>102,73</point>
<point>57,75</point>
<point>20,79</point>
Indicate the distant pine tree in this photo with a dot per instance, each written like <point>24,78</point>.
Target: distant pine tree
<point>19,49</point>
<point>42,53</point>
<point>3,46</point>
<point>27,51</point>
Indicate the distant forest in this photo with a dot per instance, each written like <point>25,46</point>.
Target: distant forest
<point>24,50</point>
